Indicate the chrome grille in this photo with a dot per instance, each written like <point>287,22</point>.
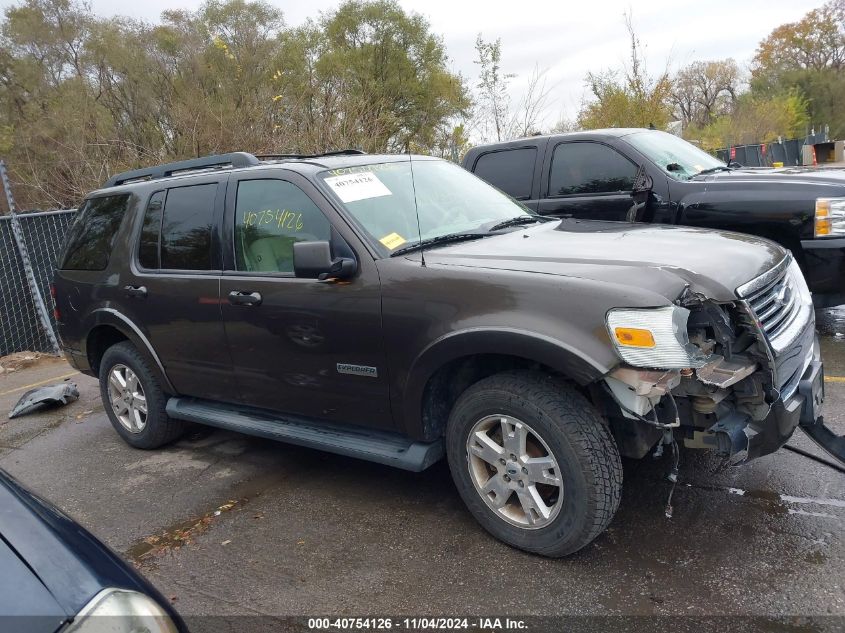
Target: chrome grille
<point>779,304</point>
<point>776,305</point>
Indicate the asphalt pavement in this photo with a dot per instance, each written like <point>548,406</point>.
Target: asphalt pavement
<point>230,525</point>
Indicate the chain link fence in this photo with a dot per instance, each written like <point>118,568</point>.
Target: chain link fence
<point>43,235</point>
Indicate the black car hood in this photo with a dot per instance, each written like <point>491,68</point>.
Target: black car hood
<point>658,258</point>
<point>826,178</point>
<point>63,557</point>
<point>26,605</point>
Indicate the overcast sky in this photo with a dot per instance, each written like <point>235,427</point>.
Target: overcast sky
<point>565,38</point>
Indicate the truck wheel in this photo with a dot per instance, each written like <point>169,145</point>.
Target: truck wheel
<point>534,462</point>
<point>134,400</point>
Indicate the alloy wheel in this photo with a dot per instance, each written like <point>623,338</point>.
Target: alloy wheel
<point>514,471</point>
<point>127,398</point>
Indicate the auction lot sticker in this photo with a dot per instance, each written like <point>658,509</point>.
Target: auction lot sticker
<point>360,186</point>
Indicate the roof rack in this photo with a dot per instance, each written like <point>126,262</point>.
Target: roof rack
<point>339,152</point>
<point>235,160</point>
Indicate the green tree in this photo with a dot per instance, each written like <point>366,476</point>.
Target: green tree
<point>493,100</point>
<point>638,99</point>
<point>808,56</point>
<point>754,119</point>
<point>83,97</point>
<point>367,75</point>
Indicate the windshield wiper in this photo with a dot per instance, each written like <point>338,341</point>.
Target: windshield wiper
<point>434,241</point>
<point>712,170</point>
<point>520,219</point>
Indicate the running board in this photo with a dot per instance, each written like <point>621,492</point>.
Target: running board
<point>827,440</point>
<point>382,447</point>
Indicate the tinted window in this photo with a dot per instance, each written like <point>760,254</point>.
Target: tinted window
<point>509,170</point>
<point>270,216</point>
<point>589,168</point>
<point>148,246</point>
<point>186,228</point>
<point>90,241</point>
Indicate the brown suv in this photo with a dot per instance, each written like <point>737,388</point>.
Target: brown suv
<point>392,308</point>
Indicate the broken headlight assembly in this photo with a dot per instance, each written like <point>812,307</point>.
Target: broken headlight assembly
<point>654,337</point>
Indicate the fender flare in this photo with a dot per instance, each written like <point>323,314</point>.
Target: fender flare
<point>530,346</point>
<point>125,325</point>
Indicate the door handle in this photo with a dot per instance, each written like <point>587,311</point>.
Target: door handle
<point>240,298</point>
<point>135,291</point>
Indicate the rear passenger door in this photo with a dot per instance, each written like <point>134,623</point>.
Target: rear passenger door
<point>587,179</point>
<point>300,346</point>
<point>173,288</point>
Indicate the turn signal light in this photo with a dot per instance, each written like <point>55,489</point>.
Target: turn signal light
<point>823,224</point>
<point>634,337</point>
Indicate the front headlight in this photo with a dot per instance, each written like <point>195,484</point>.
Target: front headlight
<point>830,217</point>
<point>122,611</point>
<point>653,337</point>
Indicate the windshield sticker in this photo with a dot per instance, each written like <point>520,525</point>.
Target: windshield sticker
<point>393,241</point>
<point>352,187</point>
<point>342,171</point>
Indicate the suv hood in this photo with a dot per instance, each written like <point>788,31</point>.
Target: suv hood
<point>662,259</point>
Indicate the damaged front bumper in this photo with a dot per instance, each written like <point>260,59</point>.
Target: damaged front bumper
<point>743,439</point>
<point>731,430</point>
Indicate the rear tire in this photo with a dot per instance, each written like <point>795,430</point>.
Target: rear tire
<point>134,399</point>
<point>564,485</point>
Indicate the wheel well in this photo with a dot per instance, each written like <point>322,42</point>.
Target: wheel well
<point>452,379</point>
<point>100,339</point>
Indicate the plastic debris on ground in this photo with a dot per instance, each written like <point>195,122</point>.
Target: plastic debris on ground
<point>43,397</point>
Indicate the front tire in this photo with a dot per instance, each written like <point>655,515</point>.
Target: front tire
<point>134,399</point>
<point>534,462</point>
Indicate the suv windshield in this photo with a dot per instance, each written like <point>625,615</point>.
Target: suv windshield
<point>381,199</point>
<point>672,154</point>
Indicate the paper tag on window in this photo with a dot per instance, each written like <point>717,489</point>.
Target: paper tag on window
<point>394,240</point>
<point>352,187</point>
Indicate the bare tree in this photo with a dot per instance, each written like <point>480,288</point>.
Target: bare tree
<point>496,117</point>
<point>702,91</point>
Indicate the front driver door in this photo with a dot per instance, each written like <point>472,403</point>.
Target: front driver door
<point>300,346</point>
<point>586,179</point>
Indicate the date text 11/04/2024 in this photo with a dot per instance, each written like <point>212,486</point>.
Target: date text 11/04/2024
<point>417,624</point>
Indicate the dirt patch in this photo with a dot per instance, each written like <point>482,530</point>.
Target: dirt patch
<point>176,535</point>
<point>24,360</point>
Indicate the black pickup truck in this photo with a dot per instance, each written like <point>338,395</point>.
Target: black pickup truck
<point>651,176</point>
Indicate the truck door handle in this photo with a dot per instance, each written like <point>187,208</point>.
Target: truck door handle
<point>135,291</point>
<point>241,298</point>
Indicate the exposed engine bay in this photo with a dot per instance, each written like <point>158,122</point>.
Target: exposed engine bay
<point>731,383</point>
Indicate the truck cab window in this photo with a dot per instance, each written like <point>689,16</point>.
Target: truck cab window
<point>588,168</point>
<point>270,216</point>
<point>511,170</point>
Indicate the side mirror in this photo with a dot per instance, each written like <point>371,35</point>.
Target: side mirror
<point>642,181</point>
<point>313,260</point>
<point>640,194</point>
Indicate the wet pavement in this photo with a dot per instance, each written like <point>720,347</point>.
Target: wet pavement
<point>231,525</point>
